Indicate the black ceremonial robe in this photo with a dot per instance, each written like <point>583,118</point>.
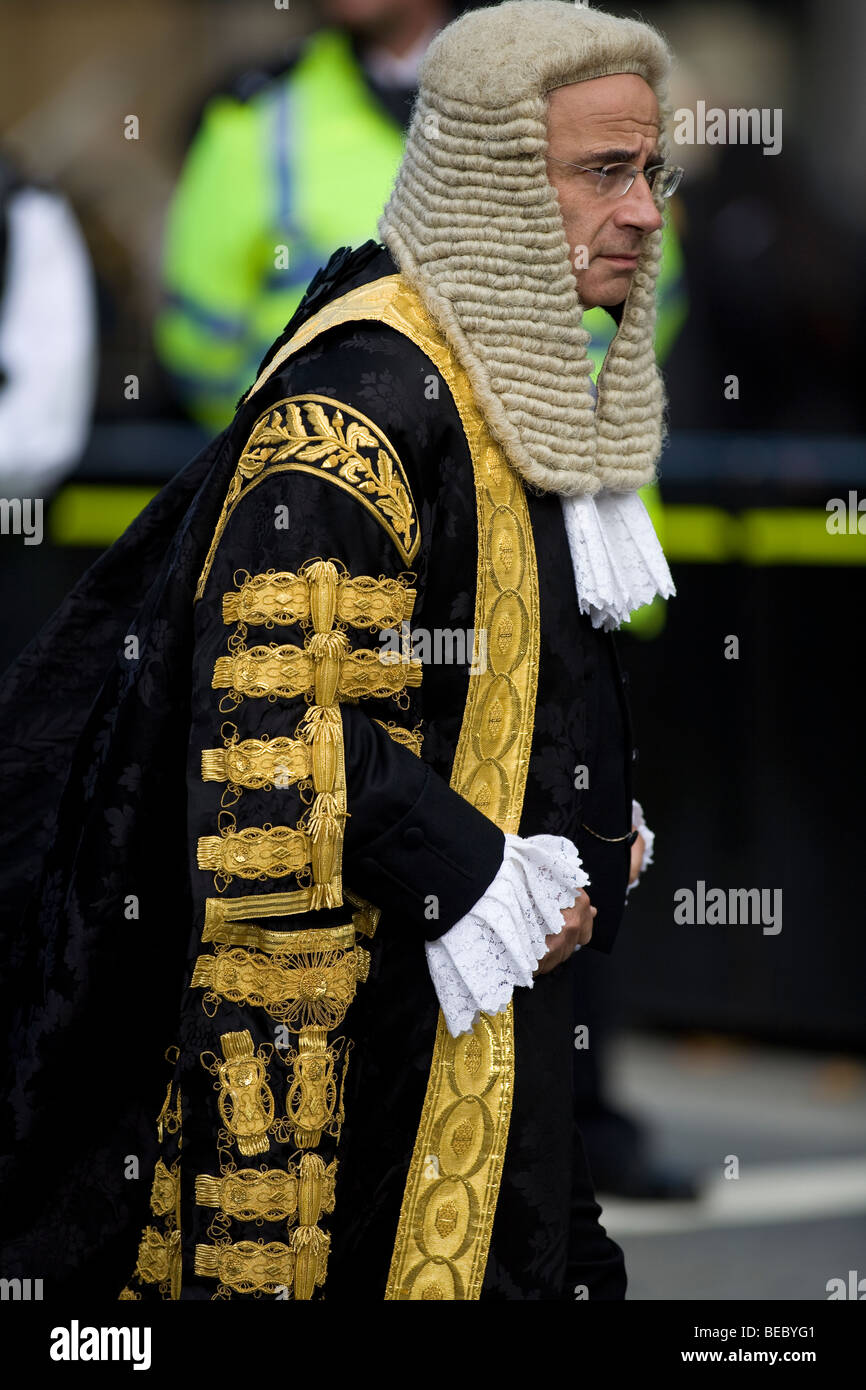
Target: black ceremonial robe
<point>237,822</point>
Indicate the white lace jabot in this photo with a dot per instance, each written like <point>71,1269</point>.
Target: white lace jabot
<point>618,562</point>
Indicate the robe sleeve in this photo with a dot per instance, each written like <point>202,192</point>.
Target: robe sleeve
<point>305,772</point>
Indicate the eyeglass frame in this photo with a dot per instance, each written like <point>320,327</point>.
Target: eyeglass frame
<point>621,164</point>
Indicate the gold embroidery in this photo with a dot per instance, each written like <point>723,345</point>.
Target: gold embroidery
<point>275,597</point>
<point>329,670</point>
<point>446,1218</point>
<point>258,764</point>
<point>283,598</point>
<point>366,917</point>
<point>413,739</point>
<point>314,993</point>
<point>249,1194</point>
<point>159,1259</point>
<point>492,777</point>
<point>269,851</point>
<point>359,459</point>
<point>231,931</point>
<point>246,1102</point>
<point>265,672</point>
<point>464,1123</point>
<point>169,1121</point>
<point>305,1192</point>
<point>247,1266</point>
<point>219,912</point>
<point>159,1253</point>
<point>165,1192</point>
<point>311,1103</point>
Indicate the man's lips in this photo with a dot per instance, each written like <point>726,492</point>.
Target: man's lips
<point>623,259</point>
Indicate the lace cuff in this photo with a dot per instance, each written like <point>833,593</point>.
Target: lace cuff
<point>648,837</point>
<point>476,964</point>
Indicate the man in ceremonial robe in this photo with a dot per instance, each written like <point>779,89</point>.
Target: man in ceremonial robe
<point>343,776</point>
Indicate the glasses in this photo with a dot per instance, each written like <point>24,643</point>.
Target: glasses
<point>615,180</point>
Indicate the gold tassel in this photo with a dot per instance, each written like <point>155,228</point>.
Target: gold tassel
<point>325,828</point>
<point>327,650</point>
<point>310,1246</point>
<point>323,577</point>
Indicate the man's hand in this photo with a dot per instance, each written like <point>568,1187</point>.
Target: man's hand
<point>638,850</point>
<point>576,932</point>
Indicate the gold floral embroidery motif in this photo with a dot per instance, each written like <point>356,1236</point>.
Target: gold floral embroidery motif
<point>159,1259</point>
<point>281,598</point>
<point>246,1102</point>
<point>248,1266</point>
<point>315,992</point>
<point>270,851</point>
<point>328,669</point>
<point>258,764</point>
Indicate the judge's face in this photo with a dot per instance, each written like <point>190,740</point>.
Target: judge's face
<point>606,120</point>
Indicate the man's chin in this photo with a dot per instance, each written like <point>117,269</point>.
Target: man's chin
<point>606,292</point>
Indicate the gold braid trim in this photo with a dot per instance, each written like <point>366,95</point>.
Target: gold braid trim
<point>230,930</point>
<point>328,670</point>
<point>281,598</point>
<point>227,919</point>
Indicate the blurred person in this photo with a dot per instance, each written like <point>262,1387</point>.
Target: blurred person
<point>286,166</point>
<point>272,835</point>
<point>48,337</point>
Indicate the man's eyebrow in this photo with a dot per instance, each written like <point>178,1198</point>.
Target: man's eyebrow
<point>617,157</point>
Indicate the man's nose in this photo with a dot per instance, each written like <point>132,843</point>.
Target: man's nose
<point>638,208</point>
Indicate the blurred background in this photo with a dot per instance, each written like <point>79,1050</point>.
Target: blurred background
<point>171,175</point>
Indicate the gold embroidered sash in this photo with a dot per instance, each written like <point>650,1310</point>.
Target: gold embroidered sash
<point>446,1218</point>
